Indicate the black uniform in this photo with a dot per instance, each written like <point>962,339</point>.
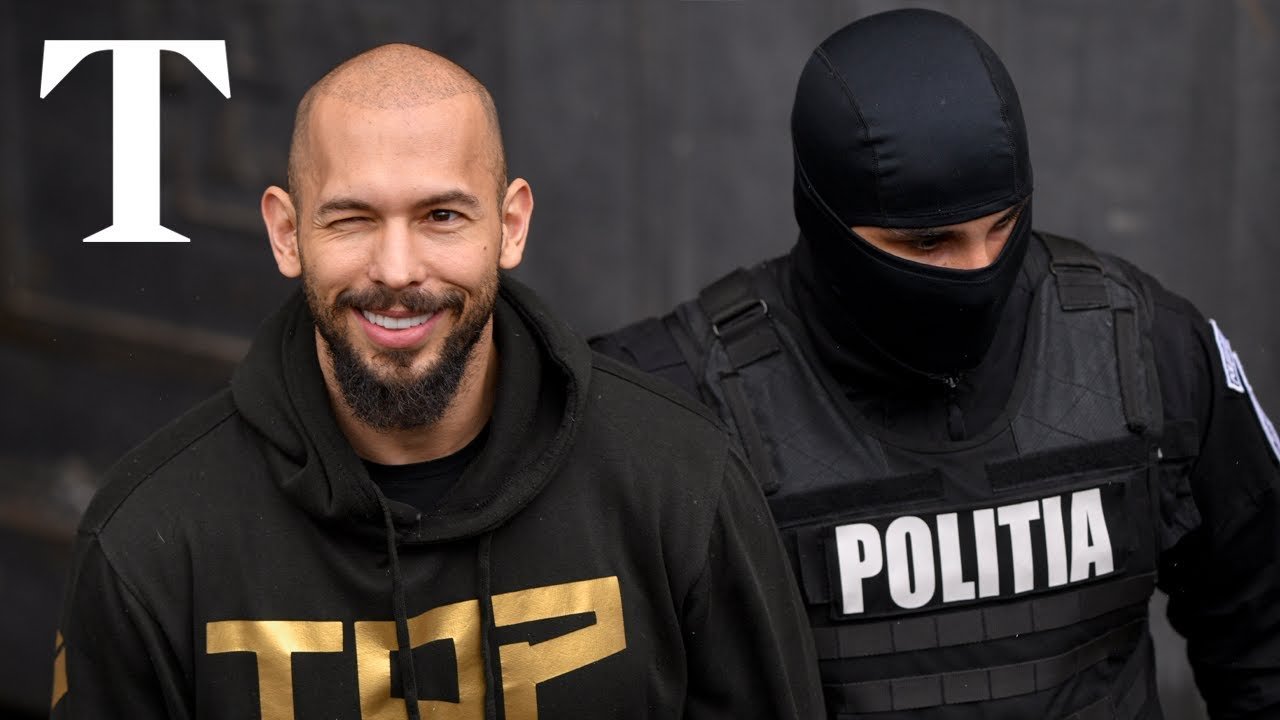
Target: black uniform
<point>981,475</point>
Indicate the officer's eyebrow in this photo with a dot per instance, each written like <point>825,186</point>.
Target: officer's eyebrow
<point>1012,213</point>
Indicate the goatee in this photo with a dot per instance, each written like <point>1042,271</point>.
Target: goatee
<point>387,401</point>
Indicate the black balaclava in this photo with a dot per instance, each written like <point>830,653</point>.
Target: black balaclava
<point>905,119</point>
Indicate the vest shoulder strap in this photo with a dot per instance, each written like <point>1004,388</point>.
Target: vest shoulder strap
<point>1079,272</point>
<point>739,318</point>
<point>1082,285</point>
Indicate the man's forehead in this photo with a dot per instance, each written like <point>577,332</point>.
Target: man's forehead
<point>449,128</point>
<point>392,157</point>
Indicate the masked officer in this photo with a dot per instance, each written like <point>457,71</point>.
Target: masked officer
<point>985,446</point>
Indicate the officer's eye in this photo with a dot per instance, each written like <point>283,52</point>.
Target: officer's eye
<point>1007,221</point>
<point>442,216</point>
<point>926,244</point>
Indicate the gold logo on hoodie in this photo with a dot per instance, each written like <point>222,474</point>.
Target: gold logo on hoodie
<point>523,666</point>
<point>59,670</point>
<point>273,643</point>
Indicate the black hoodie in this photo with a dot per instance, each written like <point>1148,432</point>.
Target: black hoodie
<point>606,555</point>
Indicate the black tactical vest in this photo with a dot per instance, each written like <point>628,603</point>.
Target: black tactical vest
<point>1003,576</point>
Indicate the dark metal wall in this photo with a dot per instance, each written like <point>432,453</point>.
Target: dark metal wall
<point>654,133</point>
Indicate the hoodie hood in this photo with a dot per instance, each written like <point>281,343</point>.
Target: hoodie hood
<point>542,379</point>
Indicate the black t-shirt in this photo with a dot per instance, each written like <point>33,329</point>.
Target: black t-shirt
<point>423,484</point>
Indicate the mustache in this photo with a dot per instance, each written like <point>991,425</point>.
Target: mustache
<point>419,301</point>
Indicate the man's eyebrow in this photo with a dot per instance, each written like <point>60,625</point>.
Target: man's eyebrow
<point>448,197</point>
<point>341,204</point>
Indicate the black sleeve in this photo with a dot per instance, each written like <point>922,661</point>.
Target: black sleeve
<point>747,638</point>
<point>649,346</point>
<point>112,660</point>
<point>1221,567</point>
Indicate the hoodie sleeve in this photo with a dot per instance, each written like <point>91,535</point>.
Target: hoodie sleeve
<point>112,659</point>
<point>749,647</point>
<point>1223,573</point>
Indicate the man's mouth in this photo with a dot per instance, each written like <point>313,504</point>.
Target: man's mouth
<point>395,323</point>
<point>397,329</point>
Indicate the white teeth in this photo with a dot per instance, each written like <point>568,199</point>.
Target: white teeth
<point>391,323</point>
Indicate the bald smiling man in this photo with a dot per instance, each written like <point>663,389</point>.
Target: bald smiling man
<point>421,495</point>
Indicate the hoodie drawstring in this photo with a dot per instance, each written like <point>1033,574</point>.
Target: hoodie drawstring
<point>408,674</point>
<point>486,619</point>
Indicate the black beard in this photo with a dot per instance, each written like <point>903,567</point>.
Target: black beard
<point>412,402</point>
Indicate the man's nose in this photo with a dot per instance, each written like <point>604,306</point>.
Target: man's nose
<point>395,261</point>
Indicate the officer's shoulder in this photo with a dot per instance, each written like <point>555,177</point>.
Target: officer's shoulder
<point>134,479</point>
<point>626,390</point>
<point>646,344</point>
<point>1182,336</point>
<point>1171,309</point>
<point>649,345</point>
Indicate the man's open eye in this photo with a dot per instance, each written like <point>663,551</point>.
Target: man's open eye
<point>442,216</point>
<point>926,244</point>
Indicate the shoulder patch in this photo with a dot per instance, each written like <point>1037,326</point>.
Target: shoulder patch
<point>1230,363</point>
<point>1268,429</point>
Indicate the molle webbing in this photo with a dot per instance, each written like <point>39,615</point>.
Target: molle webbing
<point>982,684</point>
<point>981,624</point>
<point>1017,472</point>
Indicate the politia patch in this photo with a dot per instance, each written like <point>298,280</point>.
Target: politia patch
<point>1230,363</point>
<point>1267,428</point>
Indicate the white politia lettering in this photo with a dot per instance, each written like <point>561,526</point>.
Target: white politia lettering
<point>954,586</point>
<point>984,535</point>
<point>914,571</point>
<point>1055,540</point>
<point>1018,517</point>
<point>1090,541</point>
<point>859,555</point>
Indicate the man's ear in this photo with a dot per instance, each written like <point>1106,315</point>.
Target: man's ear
<point>278,214</point>
<point>517,209</point>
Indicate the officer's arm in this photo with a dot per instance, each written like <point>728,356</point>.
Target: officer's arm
<point>112,660</point>
<point>749,646</point>
<point>1223,574</point>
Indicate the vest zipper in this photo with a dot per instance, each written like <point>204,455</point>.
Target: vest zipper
<point>955,419</point>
